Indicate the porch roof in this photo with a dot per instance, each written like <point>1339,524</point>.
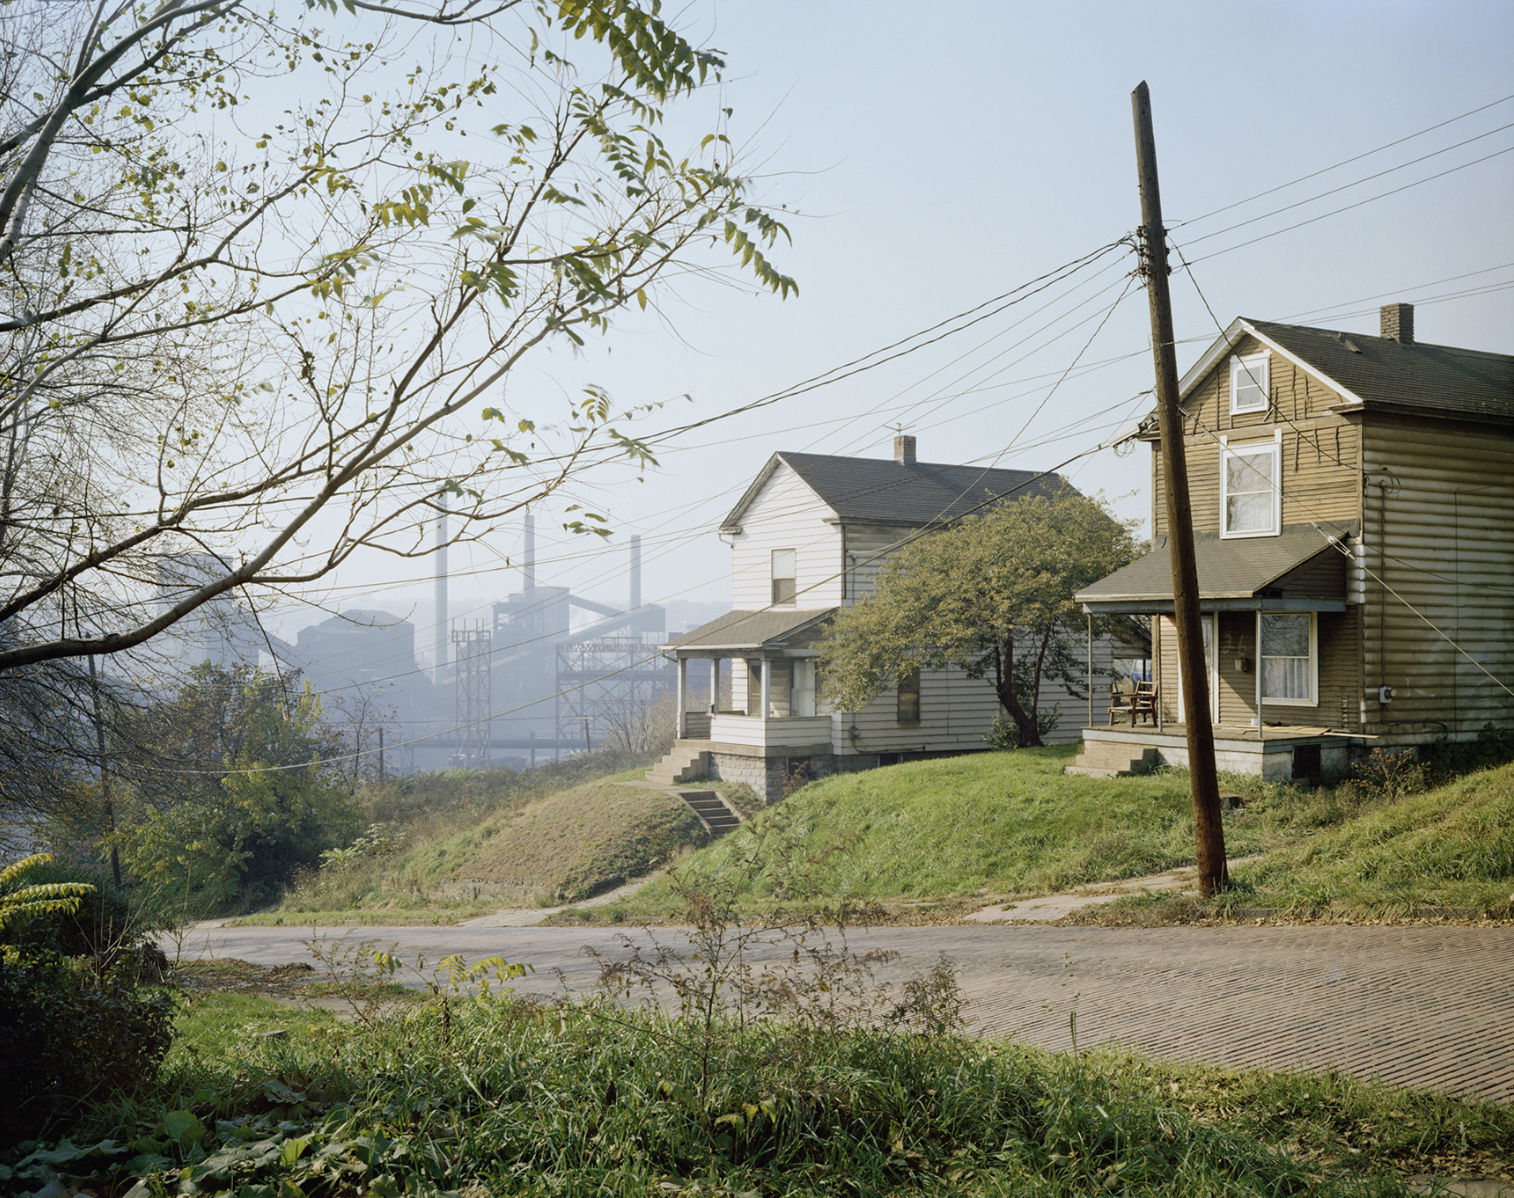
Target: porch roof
<point>1299,569</point>
<point>748,631</point>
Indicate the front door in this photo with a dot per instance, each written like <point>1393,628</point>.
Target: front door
<point>802,686</point>
<point>1207,624</point>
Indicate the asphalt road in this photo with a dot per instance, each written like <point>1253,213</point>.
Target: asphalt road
<point>1416,1006</point>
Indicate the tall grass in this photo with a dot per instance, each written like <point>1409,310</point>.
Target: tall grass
<point>513,1099</point>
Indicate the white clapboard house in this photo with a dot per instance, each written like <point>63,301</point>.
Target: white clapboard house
<point>808,537</point>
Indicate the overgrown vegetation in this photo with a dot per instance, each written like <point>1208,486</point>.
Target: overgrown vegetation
<point>516,1099</point>
<point>81,1015</point>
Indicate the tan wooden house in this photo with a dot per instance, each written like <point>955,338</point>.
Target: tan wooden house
<point>809,536</point>
<point>1353,507</point>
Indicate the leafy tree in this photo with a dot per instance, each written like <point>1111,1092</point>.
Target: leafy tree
<point>226,798</point>
<point>991,595</point>
<point>261,266</point>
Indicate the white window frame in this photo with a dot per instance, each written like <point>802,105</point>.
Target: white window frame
<point>1252,448</point>
<point>1313,697</point>
<point>1251,374</point>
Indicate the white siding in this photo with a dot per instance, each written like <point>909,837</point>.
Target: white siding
<point>786,514</point>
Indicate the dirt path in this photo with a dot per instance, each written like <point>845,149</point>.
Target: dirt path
<point>530,917</point>
<point>1050,907</point>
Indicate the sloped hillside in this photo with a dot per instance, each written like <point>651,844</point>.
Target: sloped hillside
<point>1452,846</point>
<point>573,844</point>
<point>989,824</point>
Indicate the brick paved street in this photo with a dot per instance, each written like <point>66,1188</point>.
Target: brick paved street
<point>1417,1006</point>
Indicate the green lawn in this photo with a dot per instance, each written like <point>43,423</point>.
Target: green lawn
<point>952,833</point>
<point>974,827</point>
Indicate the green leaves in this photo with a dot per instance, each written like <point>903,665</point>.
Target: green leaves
<point>991,595</point>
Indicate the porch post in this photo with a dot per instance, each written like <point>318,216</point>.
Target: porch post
<point>683,689</point>
<point>766,688</point>
<point>1090,670</point>
<point>1257,666</point>
<point>714,685</point>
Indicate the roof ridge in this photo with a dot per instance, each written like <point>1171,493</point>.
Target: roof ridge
<point>1416,344</point>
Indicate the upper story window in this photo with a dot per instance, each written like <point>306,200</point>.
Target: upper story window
<point>1249,383</point>
<point>784,586</point>
<point>1251,490</point>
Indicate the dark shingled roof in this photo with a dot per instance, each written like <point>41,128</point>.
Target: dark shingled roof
<point>1383,372</point>
<point>749,629</point>
<point>1237,568</point>
<point>913,494</point>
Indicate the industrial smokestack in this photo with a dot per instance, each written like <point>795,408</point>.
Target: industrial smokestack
<point>528,567</point>
<point>440,654</point>
<point>635,572</point>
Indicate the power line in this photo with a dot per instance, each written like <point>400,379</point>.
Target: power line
<point>1325,170</point>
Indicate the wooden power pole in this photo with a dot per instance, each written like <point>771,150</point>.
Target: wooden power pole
<point>1209,830</point>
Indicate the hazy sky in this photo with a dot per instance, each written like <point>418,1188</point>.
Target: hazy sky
<point>938,155</point>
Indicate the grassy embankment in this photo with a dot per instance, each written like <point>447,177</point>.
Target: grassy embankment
<point>511,840</point>
<point>502,1098</point>
<point>938,837</point>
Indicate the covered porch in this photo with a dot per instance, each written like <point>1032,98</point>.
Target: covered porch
<point>1280,646</point>
<point>759,680</point>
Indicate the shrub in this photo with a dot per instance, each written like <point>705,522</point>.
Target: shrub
<point>69,1034</point>
<point>75,1022</point>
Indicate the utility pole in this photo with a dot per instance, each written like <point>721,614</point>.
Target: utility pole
<point>1208,827</point>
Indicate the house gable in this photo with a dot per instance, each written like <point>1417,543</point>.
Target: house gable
<point>781,512</point>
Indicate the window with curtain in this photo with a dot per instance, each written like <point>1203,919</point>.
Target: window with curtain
<point>1289,666</point>
<point>1251,496</point>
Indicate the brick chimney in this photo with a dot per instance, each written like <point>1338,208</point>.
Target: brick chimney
<point>904,450</point>
<point>1398,323</point>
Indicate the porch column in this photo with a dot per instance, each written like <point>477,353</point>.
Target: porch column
<point>714,685</point>
<point>1256,665</point>
<point>683,690</point>
<point>766,689</point>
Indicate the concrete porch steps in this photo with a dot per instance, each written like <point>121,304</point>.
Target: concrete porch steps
<point>711,810</point>
<point>686,763</point>
<point>1111,759</point>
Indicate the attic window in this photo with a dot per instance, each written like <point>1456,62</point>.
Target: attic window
<point>1249,384</point>
<point>784,587</point>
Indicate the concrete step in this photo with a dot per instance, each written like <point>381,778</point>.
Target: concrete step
<point>711,810</point>
<point>1113,759</point>
<point>681,765</point>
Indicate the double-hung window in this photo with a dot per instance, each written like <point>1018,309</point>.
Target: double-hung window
<point>1251,487</point>
<point>1289,657</point>
<point>1248,383</point>
<point>784,586</point>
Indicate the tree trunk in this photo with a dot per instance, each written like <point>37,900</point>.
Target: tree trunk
<point>1009,699</point>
